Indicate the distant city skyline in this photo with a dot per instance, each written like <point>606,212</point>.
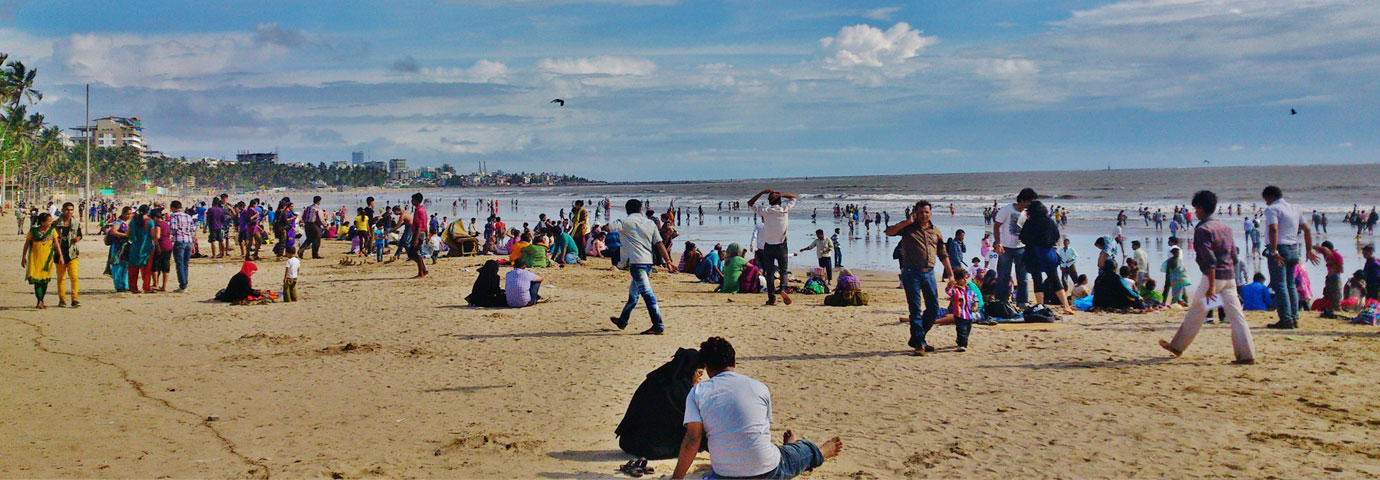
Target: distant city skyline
<point>678,90</point>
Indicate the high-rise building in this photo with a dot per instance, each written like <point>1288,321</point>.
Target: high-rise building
<point>357,158</point>
<point>397,164</point>
<point>113,132</point>
<point>245,156</point>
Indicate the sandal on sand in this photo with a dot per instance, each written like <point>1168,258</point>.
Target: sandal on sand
<point>631,469</point>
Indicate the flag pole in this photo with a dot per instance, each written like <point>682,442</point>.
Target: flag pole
<point>90,199</point>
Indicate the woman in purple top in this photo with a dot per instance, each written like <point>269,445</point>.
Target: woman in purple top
<point>249,230</point>
<point>1216,256</point>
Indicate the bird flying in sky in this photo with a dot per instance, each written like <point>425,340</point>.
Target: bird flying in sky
<point>560,101</point>
<point>1293,112</point>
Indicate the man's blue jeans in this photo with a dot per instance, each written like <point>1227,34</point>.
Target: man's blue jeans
<point>1283,287</point>
<point>641,286</point>
<point>1004,262</point>
<point>920,286</point>
<point>182,253</point>
<point>797,457</point>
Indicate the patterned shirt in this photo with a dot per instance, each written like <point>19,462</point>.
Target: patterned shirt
<point>182,227</point>
<point>1216,250</point>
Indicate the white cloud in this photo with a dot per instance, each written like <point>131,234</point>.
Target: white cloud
<point>1234,148</point>
<point>601,65</point>
<point>867,46</point>
<point>881,14</point>
<point>1344,145</point>
<point>483,71</point>
<point>1008,68</point>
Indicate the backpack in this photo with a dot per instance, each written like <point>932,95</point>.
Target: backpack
<point>1040,314</point>
<point>1000,309</point>
<point>1368,315</point>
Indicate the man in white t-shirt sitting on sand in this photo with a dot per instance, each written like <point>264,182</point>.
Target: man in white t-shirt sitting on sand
<point>734,411</point>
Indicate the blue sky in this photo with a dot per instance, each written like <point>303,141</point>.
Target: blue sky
<point>668,89</point>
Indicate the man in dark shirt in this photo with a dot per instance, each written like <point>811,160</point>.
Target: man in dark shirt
<point>1216,255</point>
<point>922,246</point>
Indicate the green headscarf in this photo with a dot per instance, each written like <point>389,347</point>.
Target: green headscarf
<point>734,249</point>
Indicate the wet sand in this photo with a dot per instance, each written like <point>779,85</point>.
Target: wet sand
<point>374,375</point>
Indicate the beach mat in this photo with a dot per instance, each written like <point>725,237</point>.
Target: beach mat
<point>1026,327</point>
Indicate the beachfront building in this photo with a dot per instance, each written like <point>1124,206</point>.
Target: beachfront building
<point>376,164</point>
<point>357,158</point>
<point>113,132</point>
<point>245,156</point>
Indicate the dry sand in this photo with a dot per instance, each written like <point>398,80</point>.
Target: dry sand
<point>374,375</point>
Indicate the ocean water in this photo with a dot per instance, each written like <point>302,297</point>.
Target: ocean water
<point>1092,197</point>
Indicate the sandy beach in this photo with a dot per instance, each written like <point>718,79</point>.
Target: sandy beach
<point>374,375</point>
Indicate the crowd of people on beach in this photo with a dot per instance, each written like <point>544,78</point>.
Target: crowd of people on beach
<point>1024,263</point>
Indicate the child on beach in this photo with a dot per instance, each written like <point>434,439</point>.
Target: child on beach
<point>432,247</point>
<point>1080,289</point>
<point>1152,297</point>
<point>380,243</point>
<point>290,268</point>
<point>965,307</point>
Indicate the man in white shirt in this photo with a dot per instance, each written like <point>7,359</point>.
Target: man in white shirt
<point>734,412</point>
<point>1068,260</point>
<point>776,216</point>
<point>639,237</point>
<point>824,251</point>
<point>1006,229</point>
<point>1142,263</point>
<point>1283,223</point>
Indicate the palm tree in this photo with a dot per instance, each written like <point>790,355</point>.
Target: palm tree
<point>17,84</point>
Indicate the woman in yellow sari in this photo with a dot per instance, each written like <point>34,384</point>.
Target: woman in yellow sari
<point>40,246</point>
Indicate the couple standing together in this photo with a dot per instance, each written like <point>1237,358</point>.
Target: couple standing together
<point>1026,237</point>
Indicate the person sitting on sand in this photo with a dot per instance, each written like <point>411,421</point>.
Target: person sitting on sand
<point>596,244</point>
<point>752,280</point>
<point>709,270</point>
<point>734,412</point>
<point>521,285</point>
<point>1255,296</point>
<point>733,269</point>
<point>1080,288</point>
<point>653,426</point>
<point>1110,292</point>
<point>690,259</point>
<point>1152,297</point>
<point>848,293</point>
<point>565,251</point>
<point>515,252</point>
<point>241,290</point>
<point>486,291</point>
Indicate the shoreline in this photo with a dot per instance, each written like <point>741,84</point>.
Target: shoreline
<point>366,378</point>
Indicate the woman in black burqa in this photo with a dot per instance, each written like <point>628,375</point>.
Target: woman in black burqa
<point>654,425</point>
<point>487,292</point>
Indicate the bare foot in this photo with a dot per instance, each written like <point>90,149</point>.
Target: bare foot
<point>789,437</point>
<point>1069,311</point>
<point>1171,349</point>
<point>831,448</point>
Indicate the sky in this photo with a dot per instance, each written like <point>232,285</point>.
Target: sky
<point>706,89</point>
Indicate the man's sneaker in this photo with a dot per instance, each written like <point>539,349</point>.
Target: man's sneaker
<point>1280,326</point>
<point>618,323</point>
<point>653,331</point>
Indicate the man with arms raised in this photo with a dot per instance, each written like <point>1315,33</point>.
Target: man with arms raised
<point>776,216</point>
<point>734,411</point>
